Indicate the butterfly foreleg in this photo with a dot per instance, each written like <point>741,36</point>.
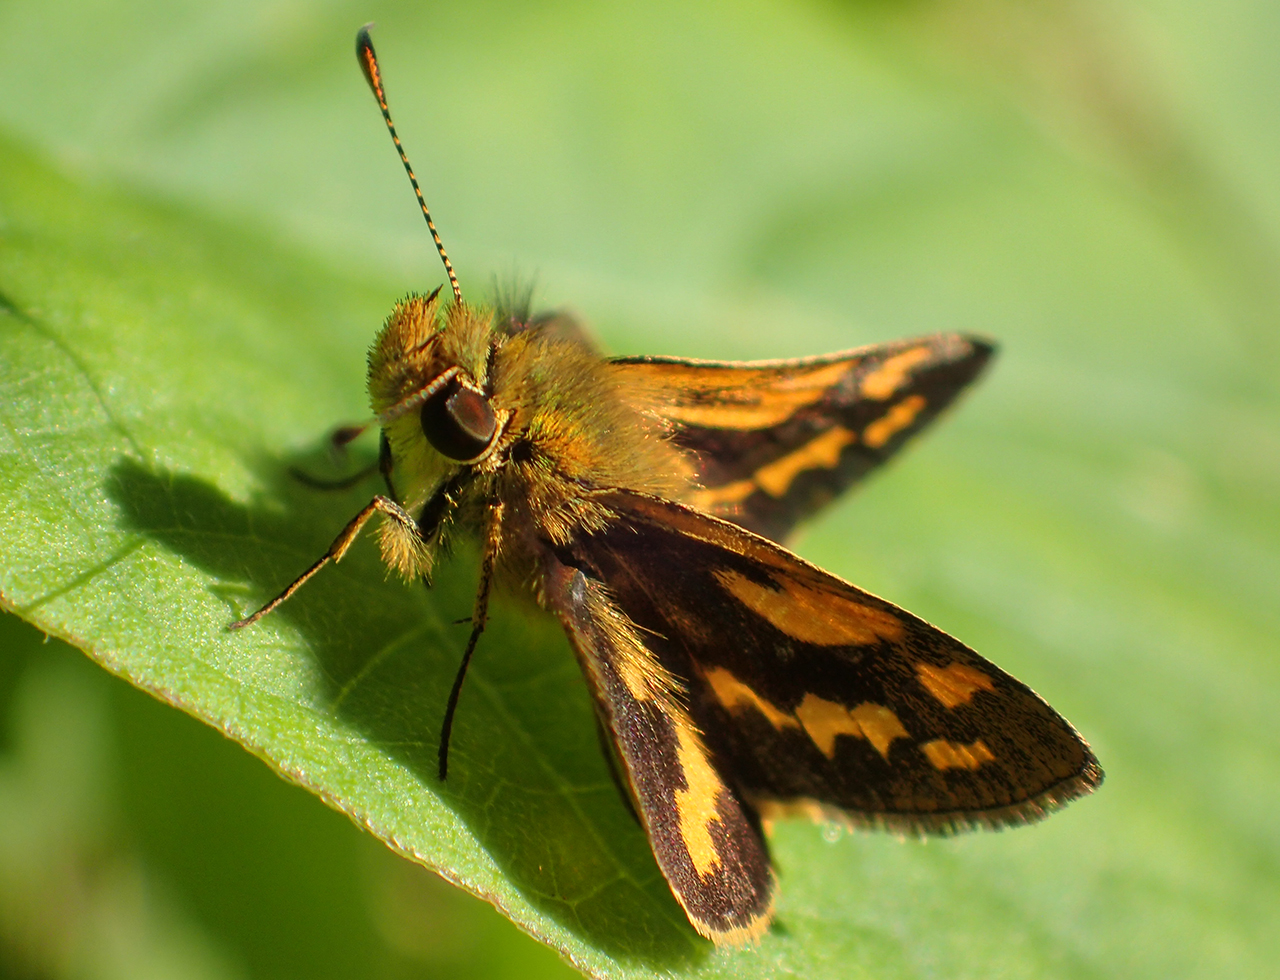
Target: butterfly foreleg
<point>398,519</point>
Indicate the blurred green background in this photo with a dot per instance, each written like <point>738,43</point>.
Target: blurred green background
<point>202,224</point>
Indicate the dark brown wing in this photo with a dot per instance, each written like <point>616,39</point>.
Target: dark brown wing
<point>706,841</point>
<point>776,440</point>
<point>813,695</point>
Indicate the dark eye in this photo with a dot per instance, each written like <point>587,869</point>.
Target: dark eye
<point>458,422</point>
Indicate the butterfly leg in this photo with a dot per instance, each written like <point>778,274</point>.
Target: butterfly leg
<point>397,514</point>
<point>344,434</point>
<point>338,445</point>
<point>492,544</point>
<point>342,483</point>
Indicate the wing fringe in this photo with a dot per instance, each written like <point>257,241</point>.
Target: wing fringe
<point>923,825</point>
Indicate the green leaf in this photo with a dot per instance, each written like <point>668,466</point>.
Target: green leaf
<point>140,843</point>
<point>1099,518</point>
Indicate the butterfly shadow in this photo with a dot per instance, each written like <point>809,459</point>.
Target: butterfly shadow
<point>526,777</point>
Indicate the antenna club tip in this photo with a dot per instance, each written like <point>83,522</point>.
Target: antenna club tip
<point>367,58</point>
<point>369,65</point>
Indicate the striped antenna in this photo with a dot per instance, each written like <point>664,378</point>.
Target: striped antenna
<point>372,75</point>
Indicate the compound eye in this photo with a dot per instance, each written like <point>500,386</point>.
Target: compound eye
<point>458,422</point>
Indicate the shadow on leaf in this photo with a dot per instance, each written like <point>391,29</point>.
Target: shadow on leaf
<point>526,776</point>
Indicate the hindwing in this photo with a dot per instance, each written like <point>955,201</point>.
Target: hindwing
<point>705,838</point>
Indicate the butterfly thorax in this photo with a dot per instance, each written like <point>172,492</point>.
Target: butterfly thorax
<point>561,432</point>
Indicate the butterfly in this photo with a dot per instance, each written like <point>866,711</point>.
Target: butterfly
<point>641,500</point>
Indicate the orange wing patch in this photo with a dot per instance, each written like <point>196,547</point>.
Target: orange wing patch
<point>823,618</point>
<point>954,684</point>
<point>823,720</point>
<point>880,726</point>
<point>775,479</point>
<point>822,452</point>
<point>732,693</point>
<point>696,803</point>
<point>892,374</point>
<point>953,755</point>
<point>893,421</point>
<point>729,494</point>
<point>745,398</point>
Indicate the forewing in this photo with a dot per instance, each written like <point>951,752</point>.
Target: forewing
<point>555,325</point>
<point>706,842</point>
<point>776,440</point>
<point>815,696</point>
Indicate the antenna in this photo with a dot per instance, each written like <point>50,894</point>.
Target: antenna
<point>372,75</point>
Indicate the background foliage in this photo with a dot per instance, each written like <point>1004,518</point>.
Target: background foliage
<point>201,225</point>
